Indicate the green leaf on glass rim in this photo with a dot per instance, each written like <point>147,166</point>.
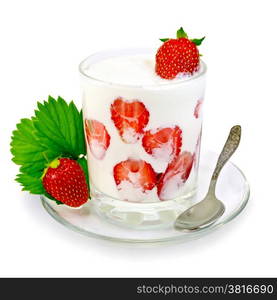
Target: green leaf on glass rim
<point>59,127</point>
<point>181,33</point>
<point>198,42</point>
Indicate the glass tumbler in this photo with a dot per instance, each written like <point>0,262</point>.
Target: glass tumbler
<point>143,144</point>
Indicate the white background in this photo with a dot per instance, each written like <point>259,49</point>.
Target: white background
<point>41,45</point>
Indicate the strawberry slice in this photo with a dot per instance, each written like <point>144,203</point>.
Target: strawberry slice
<point>98,138</point>
<point>197,108</point>
<point>175,176</point>
<point>134,178</point>
<point>163,143</point>
<point>130,119</point>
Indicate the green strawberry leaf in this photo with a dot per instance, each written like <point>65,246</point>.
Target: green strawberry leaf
<point>60,127</point>
<point>164,40</point>
<point>198,42</point>
<point>30,183</point>
<point>27,150</point>
<point>181,33</point>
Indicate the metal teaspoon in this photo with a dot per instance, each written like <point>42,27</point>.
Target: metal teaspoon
<point>210,208</point>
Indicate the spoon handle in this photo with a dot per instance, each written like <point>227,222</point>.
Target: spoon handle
<point>229,148</point>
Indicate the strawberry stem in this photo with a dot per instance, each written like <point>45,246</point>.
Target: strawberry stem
<point>55,163</point>
<point>181,33</point>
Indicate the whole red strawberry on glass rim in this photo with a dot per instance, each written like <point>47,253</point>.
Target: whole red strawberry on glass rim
<point>64,179</point>
<point>178,56</point>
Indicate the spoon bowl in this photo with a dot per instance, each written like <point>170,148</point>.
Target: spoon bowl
<point>203,213</point>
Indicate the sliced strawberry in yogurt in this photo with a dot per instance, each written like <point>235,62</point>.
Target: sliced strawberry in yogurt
<point>130,119</point>
<point>134,178</point>
<point>98,138</point>
<point>175,176</point>
<point>163,143</point>
<point>197,109</point>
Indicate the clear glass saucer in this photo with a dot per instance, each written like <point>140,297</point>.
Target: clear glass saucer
<point>232,189</point>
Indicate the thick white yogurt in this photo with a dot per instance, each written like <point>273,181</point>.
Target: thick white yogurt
<point>169,103</point>
<point>130,70</point>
